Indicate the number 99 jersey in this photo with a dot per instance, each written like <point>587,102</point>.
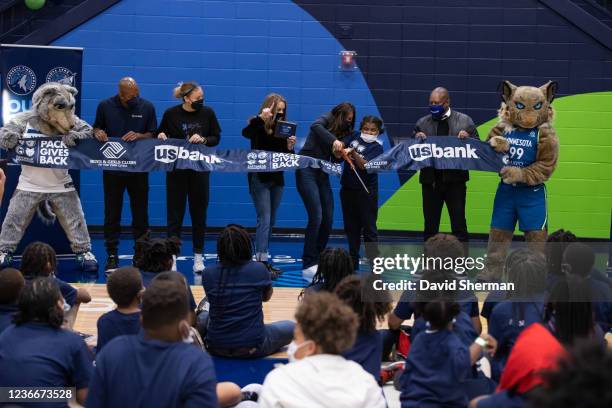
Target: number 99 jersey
<point>523,147</point>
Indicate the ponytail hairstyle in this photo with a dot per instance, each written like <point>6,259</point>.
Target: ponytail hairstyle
<point>569,310</point>
<point>38,302</point>
<point>556,244</point>
<point>183,89</point>
<point>270,100</point>
<point>375,120</point>
<point>339,114</point>
<point>437,307</point>
<point>358,293</point>
<point>155,254</point>
<point>334,265</point>
<point>38,259</point>
<point>234,245</point>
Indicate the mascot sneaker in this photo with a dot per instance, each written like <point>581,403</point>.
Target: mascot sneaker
<point>309,273</point>
<point>6,259</point>
<point>87,261</point>
<point>112,263</point>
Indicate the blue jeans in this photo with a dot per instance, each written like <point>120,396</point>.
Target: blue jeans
<point>266,197</point>
<point>315,190</point>
<point>276,335</point>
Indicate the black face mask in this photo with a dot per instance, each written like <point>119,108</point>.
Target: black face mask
<point>346,126</point>
<point>279,116</point>
<point>197,105</point>
<point>132,103</point>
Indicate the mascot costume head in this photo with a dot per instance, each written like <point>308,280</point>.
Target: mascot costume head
<point>525,132</point>
<point>50,192</point>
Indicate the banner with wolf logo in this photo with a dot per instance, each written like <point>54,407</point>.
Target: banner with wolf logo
<point>23,68</point>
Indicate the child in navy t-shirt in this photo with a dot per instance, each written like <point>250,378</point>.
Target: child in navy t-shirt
<point>125,288</point>
<point>155,368</point>
<point>334,265</point>
<point>37,352</point>
<point>360,207</point>
<point>367,350</point>
<point>39,259</point>
<point>236,288</point>
<point>439,363</point>
<point>522,307</point>
<point>11,284</point>
<point>153,256</point>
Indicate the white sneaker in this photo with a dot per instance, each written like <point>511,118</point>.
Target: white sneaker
<point>309,273</point>
<point>198,263</point>
<point>174,263</point>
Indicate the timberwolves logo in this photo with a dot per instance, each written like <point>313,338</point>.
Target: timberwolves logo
<point>21,80</point>
<point>62,75</point>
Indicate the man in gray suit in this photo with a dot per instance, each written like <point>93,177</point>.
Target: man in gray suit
<point>444,186</point>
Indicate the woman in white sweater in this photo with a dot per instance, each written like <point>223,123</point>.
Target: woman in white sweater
<point>318,376</point>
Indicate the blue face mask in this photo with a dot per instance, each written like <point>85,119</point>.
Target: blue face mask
<point>437,111</point>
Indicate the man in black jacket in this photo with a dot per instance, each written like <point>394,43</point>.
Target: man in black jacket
<point>444,186</point>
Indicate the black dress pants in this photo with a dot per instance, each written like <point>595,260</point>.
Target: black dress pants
<point>115,185</point>
<point>452,194</point>
<point>181,186</point>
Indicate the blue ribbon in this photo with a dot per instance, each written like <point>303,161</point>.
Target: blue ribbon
<point>157,155</point>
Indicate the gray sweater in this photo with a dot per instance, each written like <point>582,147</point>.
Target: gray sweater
<point>457,122</point>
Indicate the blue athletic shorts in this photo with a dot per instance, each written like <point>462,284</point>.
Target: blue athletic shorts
<point>522,203</point>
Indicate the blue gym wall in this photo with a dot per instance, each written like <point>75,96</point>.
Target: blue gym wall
<point>242,50</point>
<point>239,51</point>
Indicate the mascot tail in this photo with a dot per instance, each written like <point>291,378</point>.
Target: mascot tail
<point>45,213</point>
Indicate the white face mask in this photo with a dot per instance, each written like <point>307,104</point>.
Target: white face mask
<point>368,138</point>
<point>292,348</point>
<point>186,333</point>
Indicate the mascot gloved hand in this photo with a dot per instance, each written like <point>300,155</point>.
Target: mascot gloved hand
<point>525,132</point>
<point>51,192</point>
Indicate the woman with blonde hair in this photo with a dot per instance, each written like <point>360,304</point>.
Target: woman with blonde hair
<point>267,188</point>
<point>195,123</point>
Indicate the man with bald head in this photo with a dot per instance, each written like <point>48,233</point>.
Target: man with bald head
<point>444,186</point>
<point>131,118</point>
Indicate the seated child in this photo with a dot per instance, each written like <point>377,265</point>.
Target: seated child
<point>125,288</point>
<point>334,265</point>
<point>317,375</point>
<point>11,284</point>
<point>439,363</point>
<point>360,207</point>
<point>522,307</point>
<point>39,260</point>
<point>236,288</point>
<point>155,255</point>
<point>534,352</point>
<point>579,260</point>
<point>579,380</point>
<point>357,293</point>
<point>438,246</point>
<point>155,368</point>
<point>36,352</point>
<point>569,312</point>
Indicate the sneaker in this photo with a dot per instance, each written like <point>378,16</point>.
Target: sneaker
<point>6,259</point>
<point>389,372</point>
<point>274,272</point>
<point>112,263</point>
<point>87,261</point>
<point>309,273</point>
<point>198,264</point>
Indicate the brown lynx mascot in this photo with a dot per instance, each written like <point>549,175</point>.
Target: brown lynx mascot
<point>525,132</point>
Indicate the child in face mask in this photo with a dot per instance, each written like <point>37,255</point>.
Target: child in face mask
<point>360,208</point>
<point>318,375</point>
